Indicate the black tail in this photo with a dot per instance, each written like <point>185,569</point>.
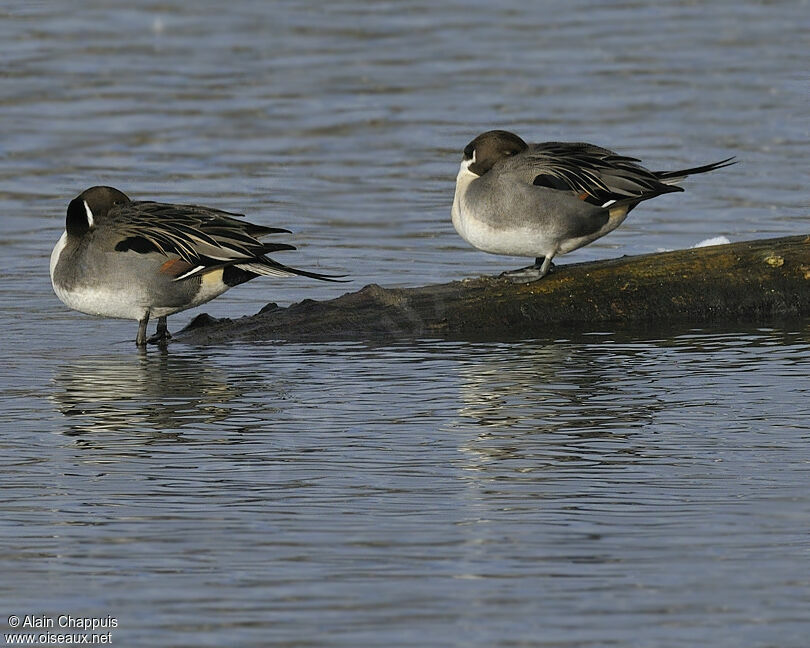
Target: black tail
<point>308,273</point>
<point>682,173</point>
<point>272,263</point>
<point>267,248</point>
<point>234,274</point>
<point>632,202</point>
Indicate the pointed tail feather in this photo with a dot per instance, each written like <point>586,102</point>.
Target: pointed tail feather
<point>267,248</point>
<point>614,206</point>
<point>269,268</point>
<point>264,270</point>
<point>680,174</point>
<point>262,266</point>
<point>263,230</point>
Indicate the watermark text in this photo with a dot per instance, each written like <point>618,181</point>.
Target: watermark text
<point>59,630</point>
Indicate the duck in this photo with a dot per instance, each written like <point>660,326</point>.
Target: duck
<point>138,260</point>
<point>546,199</point>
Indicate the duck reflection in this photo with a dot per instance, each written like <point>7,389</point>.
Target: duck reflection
<point>553,403</point>
<point>152,395</point>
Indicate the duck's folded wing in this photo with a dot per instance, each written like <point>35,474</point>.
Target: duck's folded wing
<point>198,235</point>
<point>594,174</point>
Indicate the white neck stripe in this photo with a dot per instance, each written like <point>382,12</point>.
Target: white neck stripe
<point>90,220</point>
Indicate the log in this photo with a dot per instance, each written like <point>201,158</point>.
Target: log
<point>753,281</point>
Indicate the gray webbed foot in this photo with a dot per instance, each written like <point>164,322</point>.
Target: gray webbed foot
<point>539,269</point>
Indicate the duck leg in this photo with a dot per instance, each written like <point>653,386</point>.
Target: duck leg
<point>140,339</point>
<point>162,334</point>
<point>544,266</point>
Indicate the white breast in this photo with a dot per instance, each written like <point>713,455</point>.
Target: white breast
<point>97,301</point>
<point>126,302</point>
<point>57,250</point>
<point>482,234</point>
<point>93,301</point>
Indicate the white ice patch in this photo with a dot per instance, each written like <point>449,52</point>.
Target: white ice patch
<point>717,240</point>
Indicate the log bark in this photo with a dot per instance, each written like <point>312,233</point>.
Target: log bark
<point>754,281</point>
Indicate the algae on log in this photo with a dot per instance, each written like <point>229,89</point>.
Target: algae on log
<point>753,280</point>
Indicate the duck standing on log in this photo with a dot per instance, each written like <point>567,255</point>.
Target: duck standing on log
<point>542,200</point>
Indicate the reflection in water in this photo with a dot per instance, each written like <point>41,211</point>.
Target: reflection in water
<point>548,403</point>
<point>154,395</point>
<point>582,404</point>
<point>572,468</point>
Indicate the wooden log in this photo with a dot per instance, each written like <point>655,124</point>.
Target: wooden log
<point>754,281</point>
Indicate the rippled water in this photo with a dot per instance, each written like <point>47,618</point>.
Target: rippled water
<point>624,488</point>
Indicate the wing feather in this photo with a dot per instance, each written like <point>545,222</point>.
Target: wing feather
<point>198,235</point>
<point>203,238</point>
<point>590,171</point>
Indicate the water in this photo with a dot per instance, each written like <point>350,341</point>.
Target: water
<point>620,488</point>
